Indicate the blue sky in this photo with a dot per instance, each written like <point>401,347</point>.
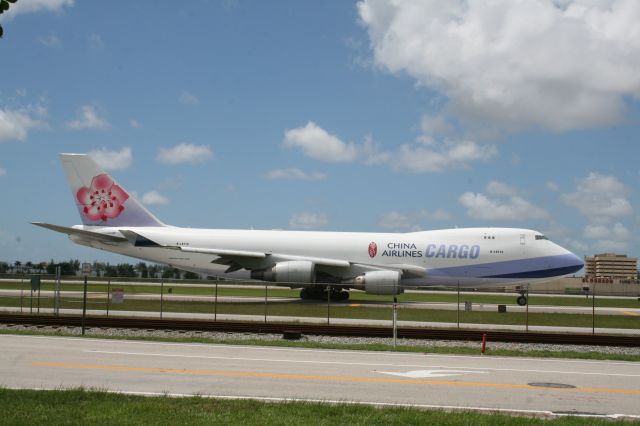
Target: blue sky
<point>345,116</point>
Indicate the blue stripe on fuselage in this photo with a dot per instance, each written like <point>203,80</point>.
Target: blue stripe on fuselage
<point>537,267</point>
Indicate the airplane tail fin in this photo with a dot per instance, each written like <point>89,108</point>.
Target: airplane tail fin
<point>99,198</point>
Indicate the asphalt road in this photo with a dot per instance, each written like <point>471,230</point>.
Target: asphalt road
<point>528,385</point>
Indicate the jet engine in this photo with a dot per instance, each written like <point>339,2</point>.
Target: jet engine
<point>294,271</point>
<point>378,282</point>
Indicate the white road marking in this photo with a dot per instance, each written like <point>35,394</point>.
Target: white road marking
<point>363,364</point>
<point>428,374</point>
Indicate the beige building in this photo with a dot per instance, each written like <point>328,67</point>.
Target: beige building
<point>611,265</point>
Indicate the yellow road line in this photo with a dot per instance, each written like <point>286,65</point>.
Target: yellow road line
<point>125,368</point>
<point>630,313</point>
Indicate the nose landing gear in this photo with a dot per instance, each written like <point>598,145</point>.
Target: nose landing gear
<point>522,299</point>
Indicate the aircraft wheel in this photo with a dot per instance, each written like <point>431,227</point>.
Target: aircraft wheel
<point>344,295</point>
<point>304,294</point>
<point>522,300</point>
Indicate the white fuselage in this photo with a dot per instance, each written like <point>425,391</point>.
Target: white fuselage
<point>471,257</point>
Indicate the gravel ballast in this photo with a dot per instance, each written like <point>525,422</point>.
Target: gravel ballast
<point>125,332</point>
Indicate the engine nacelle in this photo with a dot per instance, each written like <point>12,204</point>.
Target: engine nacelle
<point>379,282</point>
<point>294,271</point>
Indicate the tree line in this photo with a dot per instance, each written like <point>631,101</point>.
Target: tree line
<point>99,269</point>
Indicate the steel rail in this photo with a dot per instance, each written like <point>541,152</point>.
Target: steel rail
<point>329,330</point>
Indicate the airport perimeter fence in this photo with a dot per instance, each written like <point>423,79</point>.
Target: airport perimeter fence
<point>220,300</point>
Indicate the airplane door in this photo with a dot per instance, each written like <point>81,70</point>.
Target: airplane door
<point>523,243</point>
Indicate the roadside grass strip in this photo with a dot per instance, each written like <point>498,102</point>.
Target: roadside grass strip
<point>82,407</point>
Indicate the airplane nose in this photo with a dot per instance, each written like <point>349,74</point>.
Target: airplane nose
<point>574,263</point>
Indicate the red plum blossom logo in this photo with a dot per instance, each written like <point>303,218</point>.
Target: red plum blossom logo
<point>103,200</point>
<point>373,249</point>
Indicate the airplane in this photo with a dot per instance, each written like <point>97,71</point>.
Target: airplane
<point>321,264</point>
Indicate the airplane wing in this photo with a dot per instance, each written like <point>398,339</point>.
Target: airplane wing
<point>238,259</point>
<point>408,271</point>
<point>244,259</point>
<point>88,235</point>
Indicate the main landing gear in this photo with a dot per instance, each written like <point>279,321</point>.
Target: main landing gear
<point>522,299</point>
<point>320,293</point>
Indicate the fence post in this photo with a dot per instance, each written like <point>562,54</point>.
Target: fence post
<point>108,295</point>
<point>57,292</point>
<point>215,303</point>
<point>265,302</point>
<point>21,292</point>
<point>328,303</point>
<point>593,310</point>
<point>84,304</point>
<point>395,320</point>
<point>161,296</point>
<point>458,307</point>
<point>527,311</point>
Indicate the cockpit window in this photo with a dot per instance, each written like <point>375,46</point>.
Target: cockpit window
<point>541,237</point>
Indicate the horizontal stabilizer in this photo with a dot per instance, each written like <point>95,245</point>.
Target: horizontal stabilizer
<point>89,235</point>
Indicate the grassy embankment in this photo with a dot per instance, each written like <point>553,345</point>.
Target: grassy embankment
<point>80,407</point>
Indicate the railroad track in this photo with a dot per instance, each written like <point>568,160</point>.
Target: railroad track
<point>329,330</point>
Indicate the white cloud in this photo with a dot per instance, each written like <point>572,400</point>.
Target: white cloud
<point>600,198</point>
<point>515,64</point>
<point>31,6</point>
<point>319,144</point>
<point>50,41</point>
<point>424,157</point>
<point>438,157</point>
<point>15,124</point>
<point>185,153</point>
<point>576,246</point>
<point>294,174</point>
<point>434,125</point>
<point>134,123</point>
<point>397,221</point>
<point>552,186</point>
<point>499,189</point>
<point>154,197</point>
<point>2,171</point>
<point>95,41</point>
<point>608,238</point>
<point>611,246</point>
<point>307,221</point>
<point>505,204</point>
<point>188,98</point>
<point>88,118</point>
<point>617,232</point>
<point>112,160</point>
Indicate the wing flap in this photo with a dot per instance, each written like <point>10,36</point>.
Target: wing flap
<point>409,271</point>
<point>224,252</point>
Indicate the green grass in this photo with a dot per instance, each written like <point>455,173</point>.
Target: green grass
<point>310,309</point>
<point>82,407</point>
<point>356,296</point>
<point>427,347</point>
